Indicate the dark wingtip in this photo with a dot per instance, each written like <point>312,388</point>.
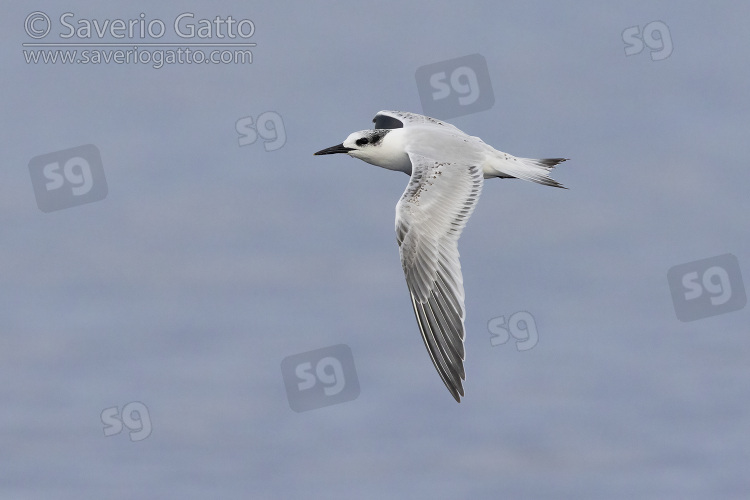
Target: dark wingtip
<point>457,391</point>
<point>386,122</point>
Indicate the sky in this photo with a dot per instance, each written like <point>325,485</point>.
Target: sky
<point>194,306</point>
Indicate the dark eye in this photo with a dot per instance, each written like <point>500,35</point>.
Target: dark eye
<point>362,141</point>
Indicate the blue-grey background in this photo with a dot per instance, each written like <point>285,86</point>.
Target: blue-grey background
<point>208,263</point>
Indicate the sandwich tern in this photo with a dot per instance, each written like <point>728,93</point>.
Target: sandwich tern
<point>447,168</point>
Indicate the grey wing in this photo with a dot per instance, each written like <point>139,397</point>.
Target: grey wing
<point>398,119</point>
<point>430,216</point>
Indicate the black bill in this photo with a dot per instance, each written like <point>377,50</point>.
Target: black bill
<point>340,148</point>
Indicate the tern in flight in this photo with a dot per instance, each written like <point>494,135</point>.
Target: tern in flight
<point>447,168</point>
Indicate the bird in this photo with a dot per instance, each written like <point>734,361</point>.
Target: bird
<point>447,168</point>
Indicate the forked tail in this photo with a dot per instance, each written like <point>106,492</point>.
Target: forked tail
<point>528,169</point>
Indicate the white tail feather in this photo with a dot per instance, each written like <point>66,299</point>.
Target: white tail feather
<point>528,169</point>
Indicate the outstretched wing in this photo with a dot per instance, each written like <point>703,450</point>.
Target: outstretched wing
<point>399,119</point>
<point>430,216</point>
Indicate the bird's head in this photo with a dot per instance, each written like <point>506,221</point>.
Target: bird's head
<point>365,145</point>
<point>371,146</point>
